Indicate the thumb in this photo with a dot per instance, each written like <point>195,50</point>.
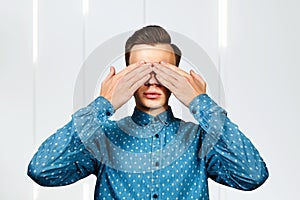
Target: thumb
<point>192,72</point>
<point>195,75</point>
<point>112,72</point>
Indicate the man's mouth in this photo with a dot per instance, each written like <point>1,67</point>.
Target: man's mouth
<point>152,95</point>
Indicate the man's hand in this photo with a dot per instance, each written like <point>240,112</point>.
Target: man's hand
<point>184,86</point>
<point>119,88</point>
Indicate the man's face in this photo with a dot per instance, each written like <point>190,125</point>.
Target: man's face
<point>152,98</point>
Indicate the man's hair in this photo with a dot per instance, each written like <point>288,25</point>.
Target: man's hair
<point>150,35</point>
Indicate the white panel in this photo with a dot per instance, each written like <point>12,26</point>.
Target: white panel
<point>105,20</point>
<point>261,77</point>
<point>16,86</point>
<point>109,18</point>
<point>59,61</point>
<point>197,20</point>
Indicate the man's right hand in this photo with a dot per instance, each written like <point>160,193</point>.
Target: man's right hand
<point>119,88</point>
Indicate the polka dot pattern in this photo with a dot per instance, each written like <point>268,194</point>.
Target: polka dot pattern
<point>147,157</point>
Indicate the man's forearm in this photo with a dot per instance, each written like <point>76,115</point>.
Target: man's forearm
<point>231,157</point>
<point>63,158</point>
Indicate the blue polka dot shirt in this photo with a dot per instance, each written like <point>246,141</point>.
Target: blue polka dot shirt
<point>149,157</point>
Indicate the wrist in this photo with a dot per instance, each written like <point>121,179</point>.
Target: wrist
<point>193,98</point>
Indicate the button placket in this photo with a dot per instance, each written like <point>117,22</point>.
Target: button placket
<point>155,127</point>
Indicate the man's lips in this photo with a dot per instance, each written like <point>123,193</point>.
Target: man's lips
<point>152,95</point>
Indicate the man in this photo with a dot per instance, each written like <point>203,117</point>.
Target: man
<point>152,154</point>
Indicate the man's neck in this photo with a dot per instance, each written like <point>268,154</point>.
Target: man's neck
<point>153,111</point>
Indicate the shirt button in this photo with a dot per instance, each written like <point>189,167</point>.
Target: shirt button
<point>108,113</point>
<point>194,111</point>
<point>156,135</point>
<point>155,196</point>
<point>156,164</point>
<point>155,119</point>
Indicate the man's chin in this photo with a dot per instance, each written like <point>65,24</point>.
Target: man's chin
<point>153,104</point>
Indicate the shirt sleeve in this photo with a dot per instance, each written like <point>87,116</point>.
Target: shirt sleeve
<point>231,159</point>
<point>63,158</point>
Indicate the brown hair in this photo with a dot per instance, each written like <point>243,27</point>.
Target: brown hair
<point>150,35</point>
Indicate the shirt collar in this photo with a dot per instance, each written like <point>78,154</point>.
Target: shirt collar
<point>142,119</point>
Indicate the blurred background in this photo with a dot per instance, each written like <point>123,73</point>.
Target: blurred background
<point>254,45</point>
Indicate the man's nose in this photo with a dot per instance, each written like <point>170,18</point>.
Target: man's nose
<point>152,80</point>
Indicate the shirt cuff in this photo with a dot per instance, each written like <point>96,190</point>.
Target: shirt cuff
<point>104,108</point>
<point>89,119</point>
<point>202,107</point>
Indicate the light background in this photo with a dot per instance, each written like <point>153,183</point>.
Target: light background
<point>259,67</point>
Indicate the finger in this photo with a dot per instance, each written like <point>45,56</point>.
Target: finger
<point>166,82</point>
<point>139,83</point>
<point>174,68</point>
<point>137,73</point>
<point>198,81</point>
<point>138,80</point>
<point>111,73</point>
<point>197,76</point>
<point>134,65</point>
<point>168,77</point>
<point>130,68</point>
<point>167,73</point>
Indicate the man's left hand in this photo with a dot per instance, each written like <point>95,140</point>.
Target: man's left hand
<point>183,85</point>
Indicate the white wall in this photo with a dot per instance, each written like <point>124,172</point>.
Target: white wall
<point>16,92</point>
<point>261,67</point>
<point>259,70</point>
